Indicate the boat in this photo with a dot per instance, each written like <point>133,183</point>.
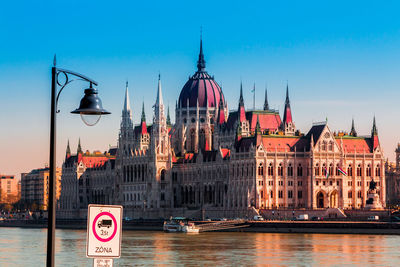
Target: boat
<point>180,224</point>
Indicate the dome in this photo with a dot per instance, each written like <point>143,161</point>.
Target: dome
<point>201,88</point>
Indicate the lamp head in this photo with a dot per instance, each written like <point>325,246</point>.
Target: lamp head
<point>90,107</point>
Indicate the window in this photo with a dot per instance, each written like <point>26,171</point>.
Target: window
<point>299,194</point>
<point>316,169</point>
<point>378,171</point>
<point>359,170</point>
<point>323,146</point>
<point>271,194</point>
<point>260,169</point>
<point>280,170</point>
<point>280,194</point>
<point>330,182</point>
<point>290,170</point>
<point>262,194</point>
<point>350,183</point>
<point>350,170</point>
<point>337,170</point>
<point>316,182</point>
<point>331,169</point>
<point>290,183</point>
<point>337,183</point>
<point>350,194</point>
<point>323,183</point>
<point>368,170</point>
<point>330,148</point>
<point>299,170</point>
<point>324,170</point>
<point>270,169</point>
<point>359,194</point>
<point>290,194</point>
<point>299,183</point>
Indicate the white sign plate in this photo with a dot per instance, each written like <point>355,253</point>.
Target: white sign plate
<point>102,262</point>
<point>104,231</point>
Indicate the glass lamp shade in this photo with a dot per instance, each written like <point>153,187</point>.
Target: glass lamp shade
<point>90,107</point>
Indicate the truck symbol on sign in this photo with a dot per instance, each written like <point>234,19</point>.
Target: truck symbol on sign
<point>104,223</point>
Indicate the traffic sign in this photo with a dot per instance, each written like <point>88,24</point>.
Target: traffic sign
<point>104,231</point>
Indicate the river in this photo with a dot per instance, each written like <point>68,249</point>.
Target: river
<point>26,247</point>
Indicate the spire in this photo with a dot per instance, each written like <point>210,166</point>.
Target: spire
<point>287,115</point>
<point>241,102</point>
<point>242,112</point>
<point>68,151</point>
<point>159,100</point>
<point>127,105</point>
<point>353,129</point>
<point>266,106</point>
<point>258,127</point>
<point>168,117</point>
<point>79,150</point>
<point>143,119</point>
<point>374,131</point>
<point>201,63</point>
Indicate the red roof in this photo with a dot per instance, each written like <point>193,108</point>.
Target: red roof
<point>288,114</point>
<point>354,144</point>
<point>93,161</point>
<point>144,128</point>
<point>225,152</point>
<point>268,121</point>
<point>279,144</point>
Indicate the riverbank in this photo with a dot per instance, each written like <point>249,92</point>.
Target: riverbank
<point>327,227</point>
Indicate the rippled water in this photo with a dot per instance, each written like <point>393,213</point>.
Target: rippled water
<point>26,247</point>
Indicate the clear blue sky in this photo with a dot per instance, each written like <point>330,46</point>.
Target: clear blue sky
<point>342,60</point>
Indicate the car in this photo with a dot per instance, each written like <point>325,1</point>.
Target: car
<point>315,218</point>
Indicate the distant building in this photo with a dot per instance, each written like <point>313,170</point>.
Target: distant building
<point>35,187</point>
<point>86,178</point>
<point>9,192</point>
<point>393,179</point>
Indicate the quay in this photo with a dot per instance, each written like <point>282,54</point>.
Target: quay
<point>326,227</point>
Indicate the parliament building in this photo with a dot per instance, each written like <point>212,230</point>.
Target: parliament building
<point>225,162</point>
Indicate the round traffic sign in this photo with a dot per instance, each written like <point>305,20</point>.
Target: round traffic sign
<point>104,224</point>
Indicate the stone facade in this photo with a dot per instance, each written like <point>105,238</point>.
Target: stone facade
<point>392,171</point>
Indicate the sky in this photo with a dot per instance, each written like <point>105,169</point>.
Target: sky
<point>341,60</point>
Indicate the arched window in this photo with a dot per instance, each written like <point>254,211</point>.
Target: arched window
<point>350,170</point>
<point>299,170</point>
<point>260,169</point>
<point>337,170</point>
<point>162,176</point>
<point>192,139</point>
<point>270,169</point>
<point>202,143</point>
<point>330,147</point>
<point>378,171</point>
<point>290,170</point>
<point>316,168</point>
<point>331,169</point>
<point>368,170</point>
<point>359,170</point>
<point>324,169</point>
<point>323,146</point>
<point>280,170</point>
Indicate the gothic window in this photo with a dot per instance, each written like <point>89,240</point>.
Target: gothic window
<point>337,170</point>
<point>260,169</point>
<point>270,169</point>
<point>350,170</point>
<point>350,194</point>
<point>202,143</point>
<point>280,170</point>
<point>331,169</point>
<point>290,170</point>
<point>299,170</point>
<point>359,194</point>
<point>280,194</point>
<point>359,170</point>
<point>323,169</point>
<point>290,194</point>
<point>330,148</point>
<point>368,170</point>
<point>378,171</point>
<point>162,176</point>
<point>323,146</point>
<point>316,169</point>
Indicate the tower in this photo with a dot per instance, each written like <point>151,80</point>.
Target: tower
<point>397,151</point>
<point>160,140</point>
<point>353,129</point>
<point>68,151</point>
<point>144,138</point>
<point>374,135</point>
<point>243,124</point>
<point>288,126</point>
<point>126,140</point>
<point>266,106</point>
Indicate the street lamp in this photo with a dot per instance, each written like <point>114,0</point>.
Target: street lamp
<point>90,106</point>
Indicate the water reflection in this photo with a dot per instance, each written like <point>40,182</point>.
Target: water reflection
<point>27,247</point>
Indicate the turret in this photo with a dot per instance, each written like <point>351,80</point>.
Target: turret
<point>241,110</point>
<point>353,130</point>
<point>68,151</point>
<point>79,150</point>
<point>168,117</point>
<point>287,123</point>
<point>374,135</point>
<point>266,106</point>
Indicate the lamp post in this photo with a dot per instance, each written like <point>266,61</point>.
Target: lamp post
<point>90,105</point>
